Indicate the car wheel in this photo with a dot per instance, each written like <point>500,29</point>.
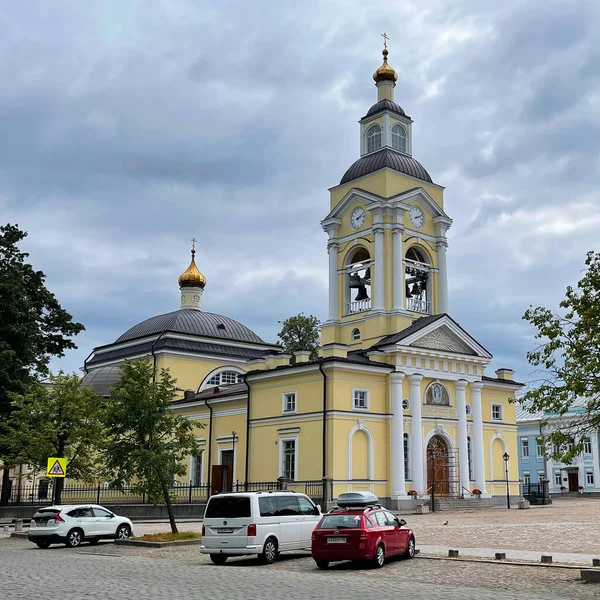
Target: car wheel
<point>410,549</point>
<point>218,559</point>
<point>269,553</point>
<point>379,557</point>
<point>94,541</point>
<point>74,538</point>
<point>123,532</point>
<point>43,545</point>
<point>322,564</point>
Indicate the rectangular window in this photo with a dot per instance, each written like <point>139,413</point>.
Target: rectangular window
<point>289,459</point>
<point>541,475</point>
<point>289,402</point>
<point>470,458</point>
<point>587,445</point>
<point>228,507</point>
<point>496,412</point>
<point>197,469</point>
<point>589,479</point>
<point>361,399</point>
<point>406,458</point>
<point>539,448</point>
<point>557,480</point>
<point>524,448</point>
<point>526,478</point>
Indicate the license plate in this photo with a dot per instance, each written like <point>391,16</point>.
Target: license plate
<point>338,540</point>
<point>225,530</point>
<point>40,524</point>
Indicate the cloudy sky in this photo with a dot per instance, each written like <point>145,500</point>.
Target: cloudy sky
<point>128,127</point>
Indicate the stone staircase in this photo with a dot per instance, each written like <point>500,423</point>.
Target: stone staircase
<point>442,504</point>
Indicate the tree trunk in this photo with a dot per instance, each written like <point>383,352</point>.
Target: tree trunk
<point>170,509</point>
<point>5,497</point>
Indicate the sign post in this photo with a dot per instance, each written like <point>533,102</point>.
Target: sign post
<point>57,469</point>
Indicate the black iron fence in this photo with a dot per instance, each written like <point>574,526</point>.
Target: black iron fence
<point>43,493</point>
<point>534,492</point>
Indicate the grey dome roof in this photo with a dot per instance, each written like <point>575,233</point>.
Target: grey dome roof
<point>101,379</point>
<point>386,157</point>
<point>385,105</point>
<point>193,322</point>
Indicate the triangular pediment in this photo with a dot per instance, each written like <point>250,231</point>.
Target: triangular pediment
<point>443,340</point>
<point>438,333</point>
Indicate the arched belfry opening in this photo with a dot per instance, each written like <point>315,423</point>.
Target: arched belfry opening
<point>358,281</point>
<point>418,281</point>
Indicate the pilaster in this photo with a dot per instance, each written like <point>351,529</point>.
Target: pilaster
<point>398,481</point>
<point>416,433</point>
<point>463,453</point>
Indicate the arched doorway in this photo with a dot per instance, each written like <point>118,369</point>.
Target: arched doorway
<point>438,467</point>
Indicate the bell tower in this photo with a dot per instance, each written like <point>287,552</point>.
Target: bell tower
<point>387,231</point>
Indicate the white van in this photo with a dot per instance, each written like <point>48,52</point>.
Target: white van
<point>263,523</point>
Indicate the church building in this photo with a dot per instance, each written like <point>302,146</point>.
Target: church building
<point>397,403</point>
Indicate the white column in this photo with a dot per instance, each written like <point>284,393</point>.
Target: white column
<point>332,249</point>
<point>442,276</point>
<point>398,269</point>
<point>416,433</point>
<point>477,438</point>
<point>378,299</point>
<point>398,482</point>
<point>463,453</point>
<point>595,457</point>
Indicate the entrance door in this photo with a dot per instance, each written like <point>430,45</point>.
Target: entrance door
<point>573,481</point>
<point>438,467</point>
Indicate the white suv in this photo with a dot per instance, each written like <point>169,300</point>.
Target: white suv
<point>263,523</point>
<point>74,524</point>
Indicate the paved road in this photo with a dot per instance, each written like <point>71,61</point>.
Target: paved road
<point>110,572</point>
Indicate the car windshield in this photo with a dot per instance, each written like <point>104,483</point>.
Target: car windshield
<point>341,522</point>
<point>228,507</point>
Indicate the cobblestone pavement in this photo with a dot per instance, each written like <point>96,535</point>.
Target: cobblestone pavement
<point>567,525</point>
<point>114,572</point>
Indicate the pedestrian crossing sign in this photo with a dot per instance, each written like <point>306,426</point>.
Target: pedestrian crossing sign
<point>57,467</point>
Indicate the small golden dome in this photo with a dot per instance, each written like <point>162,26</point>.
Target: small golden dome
<point>191,277</point>
<point>385,72</point>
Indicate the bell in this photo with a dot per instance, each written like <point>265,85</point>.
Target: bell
<point>362,293</point>
<point>407,291</point>
<point>368,274</point>
<point>355,281</point>
<point>416,289</point>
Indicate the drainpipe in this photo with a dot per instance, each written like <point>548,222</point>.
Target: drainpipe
<point>324,419</point>
<point>247,466</point>
<point>210,432</point>
<point>154,355</point>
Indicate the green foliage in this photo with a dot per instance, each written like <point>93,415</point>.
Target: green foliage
<point>568,359</point>
<point>147,440</point>
<point>300,332</point>
<point>64,418</point>
<point>33,325</point>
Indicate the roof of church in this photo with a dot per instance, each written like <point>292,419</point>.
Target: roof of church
<point>101,379</point>
<point>193,322</point>
<point>385,104</point>
<point>386,157</point>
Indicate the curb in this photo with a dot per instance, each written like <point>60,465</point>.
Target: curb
<point>511,562</point>
<point>19,534</point>
<point>145,544</point>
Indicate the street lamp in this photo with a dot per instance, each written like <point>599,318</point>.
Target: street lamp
<point>505,456</point>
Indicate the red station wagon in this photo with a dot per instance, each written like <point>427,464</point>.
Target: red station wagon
<point>361,530</point>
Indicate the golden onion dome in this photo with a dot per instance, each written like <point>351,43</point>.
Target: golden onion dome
<point>192,277</point>
<point>385,72</point>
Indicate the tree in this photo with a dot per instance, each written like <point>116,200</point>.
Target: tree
<point>300,332</point>
<point>33,328</point>
<point>63,418</point>
<point>147,440</point>
<point>569,359</point>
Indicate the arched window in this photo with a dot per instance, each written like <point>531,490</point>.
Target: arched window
<point>355,334</point>
<point>398,138</point>
<point>357,294</point>
<point>417,284</point>
<point>437,394</point>
<point>373,138</point>
<point>223,378</point>
<point>406,458</point>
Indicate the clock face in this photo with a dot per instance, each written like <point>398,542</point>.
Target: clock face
<point>417,218</point>
<point>357,218</point>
